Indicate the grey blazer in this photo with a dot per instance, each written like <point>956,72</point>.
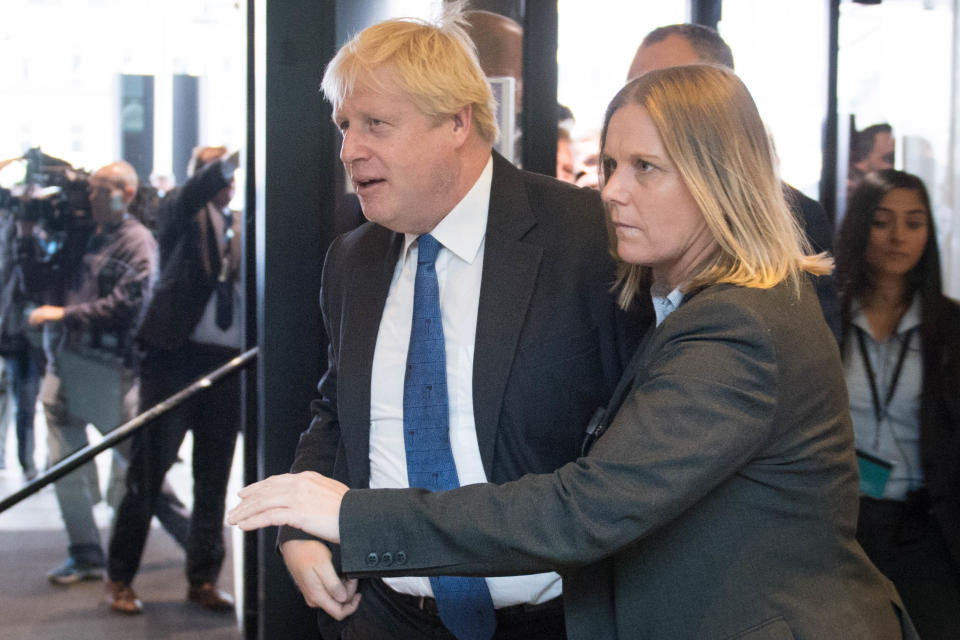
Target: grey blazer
<point>720,503</point>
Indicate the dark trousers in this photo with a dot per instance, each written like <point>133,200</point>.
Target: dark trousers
<point>909,548</point>
<point>214,418</point>
<point>384,614</point>
<point>23,372</point>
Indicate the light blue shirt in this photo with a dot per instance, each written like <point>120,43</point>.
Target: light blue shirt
<point>897,437</point>
<point>665,305</point>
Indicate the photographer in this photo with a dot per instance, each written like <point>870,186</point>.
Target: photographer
<point>190,326</point>
<point>94,286</point>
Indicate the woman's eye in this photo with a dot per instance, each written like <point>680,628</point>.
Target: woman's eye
<point>643,166</point>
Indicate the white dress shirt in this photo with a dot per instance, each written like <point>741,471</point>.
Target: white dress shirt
<point>207,331</point>
<point>459,267</point>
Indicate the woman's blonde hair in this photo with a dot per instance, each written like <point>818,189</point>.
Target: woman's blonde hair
<point>435,65</point>
<point>710,128</point>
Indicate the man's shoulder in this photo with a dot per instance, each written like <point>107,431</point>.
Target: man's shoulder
<point>367,235</point>
<point>558,210</point>
<point>545,190</point>
<point>132,230</point>
<point>358,247</point>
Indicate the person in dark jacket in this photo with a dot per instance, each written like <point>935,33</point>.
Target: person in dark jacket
<point>901,350</point>
<point>191,325</point>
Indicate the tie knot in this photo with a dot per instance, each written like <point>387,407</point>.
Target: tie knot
<point>429,247</point>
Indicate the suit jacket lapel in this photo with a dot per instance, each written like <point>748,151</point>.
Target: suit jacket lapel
<point>368,285</point>
<point>209,254</point>
<point>509,275</point>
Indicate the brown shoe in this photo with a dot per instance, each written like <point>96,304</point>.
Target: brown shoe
<point>122,598</point>
<point>209,597</point>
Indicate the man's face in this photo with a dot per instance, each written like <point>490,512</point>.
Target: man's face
<point>881,156</point>
<point>402,163</point>
<point>672,51</point>
<point>108,199</point>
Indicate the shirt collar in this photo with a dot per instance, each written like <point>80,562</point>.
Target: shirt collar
<point>911,318</point>
<point>663,306</point>
<point>463,229</point>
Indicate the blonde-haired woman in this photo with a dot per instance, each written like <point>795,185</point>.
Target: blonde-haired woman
<point>717,494</point>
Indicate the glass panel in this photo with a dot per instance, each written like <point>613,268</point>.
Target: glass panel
<point>896,65</point>
<point>87,83</point>
<point>594,51</point>
<point>780,52</point>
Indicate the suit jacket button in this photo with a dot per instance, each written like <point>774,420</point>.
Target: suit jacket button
<point>372,560</point>
<point>401,557</point>
<point>387,559</point>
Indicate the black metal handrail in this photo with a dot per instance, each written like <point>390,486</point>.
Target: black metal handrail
<point>127,429</point>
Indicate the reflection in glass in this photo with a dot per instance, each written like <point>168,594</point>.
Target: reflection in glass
<point>896,61</point>
<point>780,51</point>
<point>595,46</point>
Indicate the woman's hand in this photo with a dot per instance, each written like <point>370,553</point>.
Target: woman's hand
<point>307,501</point>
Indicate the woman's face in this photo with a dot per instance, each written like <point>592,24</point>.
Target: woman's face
<point>658,223</point>
<point>898,234</point>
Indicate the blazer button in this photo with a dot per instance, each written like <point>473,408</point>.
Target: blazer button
<point>387,559</point>
<point>372,559</point>
<point>401,557</point>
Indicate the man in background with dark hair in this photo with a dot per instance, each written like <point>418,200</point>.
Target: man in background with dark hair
<point>871,149</point>
<point>681,44</point>
<point>191,326</point>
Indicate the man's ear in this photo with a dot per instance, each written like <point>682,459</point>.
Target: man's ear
<point>129,193</point>
<point>463,123</point>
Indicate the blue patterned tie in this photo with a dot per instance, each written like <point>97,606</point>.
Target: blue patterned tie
<point>464,604</point>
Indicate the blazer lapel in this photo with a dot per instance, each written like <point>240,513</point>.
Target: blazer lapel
<point>367,288</point>
<point>509,276</point>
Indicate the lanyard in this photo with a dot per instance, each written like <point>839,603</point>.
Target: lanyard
<point>880,410</point>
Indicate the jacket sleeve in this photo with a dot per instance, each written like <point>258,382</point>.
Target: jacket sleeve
<point>681,432</point>
<point>178,210</point>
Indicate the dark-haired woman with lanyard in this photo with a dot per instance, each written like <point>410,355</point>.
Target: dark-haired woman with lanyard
<point>901,348</point>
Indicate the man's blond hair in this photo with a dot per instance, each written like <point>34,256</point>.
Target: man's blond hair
<point>711,130</point>
<point>435,65</point>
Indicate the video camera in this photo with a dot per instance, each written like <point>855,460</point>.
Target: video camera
<point>56,196</point>
<point>52,193</point>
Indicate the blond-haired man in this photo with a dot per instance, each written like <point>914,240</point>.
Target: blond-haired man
<point>530,339</point>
